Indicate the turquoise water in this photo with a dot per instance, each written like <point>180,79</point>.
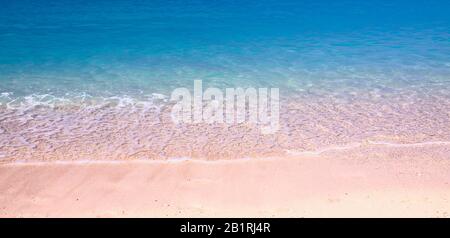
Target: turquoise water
<point>89,79</point>
<point>136,48</point>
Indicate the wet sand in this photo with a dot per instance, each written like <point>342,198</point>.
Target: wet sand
<point>390,181</point>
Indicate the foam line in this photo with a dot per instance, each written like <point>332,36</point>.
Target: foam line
<point>376,143</point>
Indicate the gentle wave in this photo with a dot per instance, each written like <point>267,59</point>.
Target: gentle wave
<point>83,101</point>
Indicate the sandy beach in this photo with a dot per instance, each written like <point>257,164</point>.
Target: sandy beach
<point>395,181</point>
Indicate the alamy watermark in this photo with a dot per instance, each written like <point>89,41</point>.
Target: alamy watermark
<point>237,105</point>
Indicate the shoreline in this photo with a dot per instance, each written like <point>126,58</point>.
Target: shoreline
<point>288,153</point>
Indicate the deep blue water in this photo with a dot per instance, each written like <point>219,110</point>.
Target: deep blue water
<point>135,48</point>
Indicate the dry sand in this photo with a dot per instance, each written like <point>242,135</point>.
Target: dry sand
<point>390,183</point>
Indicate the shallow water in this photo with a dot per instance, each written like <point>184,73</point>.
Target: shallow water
<point>90,79</point>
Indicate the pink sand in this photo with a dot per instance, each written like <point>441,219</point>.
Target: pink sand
<point>393,182</point>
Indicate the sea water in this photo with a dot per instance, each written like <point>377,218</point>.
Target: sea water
<point>90,79</point>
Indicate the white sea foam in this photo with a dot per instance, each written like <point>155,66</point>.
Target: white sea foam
<point>81,101</point>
